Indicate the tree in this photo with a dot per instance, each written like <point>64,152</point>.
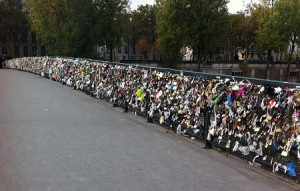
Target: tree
<point>13,25</point>
<point>245,67</point>
<point>287,17</point>
<point>191,23</point>
<point>63,26</point>
<point>111,23</point>
<point>79,39</point>
<point>170,18</point>
<point>46,18</point>
<point>144,23</point>
<point>231,39</point>
<point>249,26</point>
<point>157,48</point>
<point>268,37</point>
<point>206,21</point>
<point>143,46</point>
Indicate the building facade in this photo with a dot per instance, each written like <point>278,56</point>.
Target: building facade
<point>228,61</point>
<point>32,47</point>
<point>126,52</point>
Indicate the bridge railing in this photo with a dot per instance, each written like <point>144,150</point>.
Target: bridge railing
<point>254,118</point>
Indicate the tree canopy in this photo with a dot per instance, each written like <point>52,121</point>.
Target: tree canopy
<point>169,18</point>
<point>63,26</point>
<point>74,27</point>
<point>191,23</point>
<point>287,16</point>
<point>112,20</point>
<point>13,25</point>
<point>144,23</point>
<point>205,22</point>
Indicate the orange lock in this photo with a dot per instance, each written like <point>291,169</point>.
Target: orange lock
<point>293,129</point>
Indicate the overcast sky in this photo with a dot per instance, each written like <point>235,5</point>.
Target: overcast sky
<point>233,5</point>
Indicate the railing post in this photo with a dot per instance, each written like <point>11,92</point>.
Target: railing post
<point>207,112</point>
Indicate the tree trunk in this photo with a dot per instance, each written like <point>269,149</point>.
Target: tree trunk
<point>128,49</point>
<point>199,58</point>
<point>110,53</point>
<point>246,56</point>
<point>268,65</point>
<point>286,76</point>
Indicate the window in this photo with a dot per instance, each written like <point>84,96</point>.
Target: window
<point>126,49</point>
<point>154,57</point>
<point>119,50</point>
<point>34,51</point>
<point>5,39</point>
<point>17,51</point>
<point>33,37</point>
<point>294,74</point>
<point>4,50</point>
<point>220,50</point>
<point>25,51</point>
<point>133,50</point>
<point>132,58</point>
<point>237,74</point>
<point>43,51</point>
<point>124,57</point>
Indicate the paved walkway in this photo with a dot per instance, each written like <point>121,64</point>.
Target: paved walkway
<point>56,138</point>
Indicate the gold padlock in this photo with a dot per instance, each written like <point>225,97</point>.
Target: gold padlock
<point>279,130</point>
<point>272,133</point>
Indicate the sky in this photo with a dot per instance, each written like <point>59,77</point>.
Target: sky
<point>233,5</point>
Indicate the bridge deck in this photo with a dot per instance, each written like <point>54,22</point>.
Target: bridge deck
<point>56,138</point>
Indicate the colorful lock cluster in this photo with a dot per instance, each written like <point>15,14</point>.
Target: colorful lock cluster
<point>260,122</point>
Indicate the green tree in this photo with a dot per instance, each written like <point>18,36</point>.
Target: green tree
<point>245,67</point>
<point>78,38</point>
<point>268,37</point>
<point>111,23</point>
<point>231,39</point>
<point>13,26</point>
<point>204,23</point>
<point>143,24</point>
<point>287,17</point>
<point>170,19</point>
<point>191,23</point>
<point>248,29</point>
<point>46,18</point>
<point>63,26</point>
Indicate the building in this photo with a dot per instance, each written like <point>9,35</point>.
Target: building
<point>32,47</point>
<point>257,69</point>
<point>127,52</point>
<point>225,61</point>
<point>23,45</point>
